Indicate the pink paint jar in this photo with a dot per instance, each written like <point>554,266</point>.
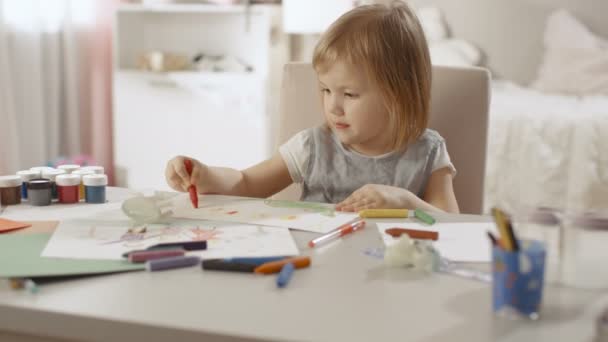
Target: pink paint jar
<point>67,188</point>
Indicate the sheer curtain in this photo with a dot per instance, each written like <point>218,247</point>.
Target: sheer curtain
<point>55,81</point>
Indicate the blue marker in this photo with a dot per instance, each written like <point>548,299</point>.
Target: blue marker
<point>254,260</point>
<point>285,275</point>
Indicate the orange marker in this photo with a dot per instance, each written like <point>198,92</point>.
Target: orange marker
<point>192,187</point>
<point>275,266</point>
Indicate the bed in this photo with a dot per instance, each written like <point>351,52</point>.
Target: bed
<point>548,130</point>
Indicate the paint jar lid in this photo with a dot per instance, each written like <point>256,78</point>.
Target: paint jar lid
<point>41,168</point>
<point>10,181</point>
<point>95,180</point>
<point>96,169</point>
<point>67,180</point>
<point>69,168</point>
<point>27,175</point>
<point>39,184</point>
<point>82,172</point>
<point>51,174</point>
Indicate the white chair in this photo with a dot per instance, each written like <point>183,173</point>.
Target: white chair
<point>460,99</point>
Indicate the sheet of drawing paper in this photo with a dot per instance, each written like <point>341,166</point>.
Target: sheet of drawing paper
<point>314,217</point>
<point>460,242</point>
<point>96,239</point>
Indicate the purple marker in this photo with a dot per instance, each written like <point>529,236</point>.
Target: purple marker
<point>172,262</point>
<point>143,256</point>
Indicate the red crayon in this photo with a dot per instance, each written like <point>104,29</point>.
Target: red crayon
<point>192,187</point>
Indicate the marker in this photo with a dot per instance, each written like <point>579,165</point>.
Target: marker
<point>384,213</point>
<point>255,260</point>
<point>186,245</point>
<point>171,262</point>
<point>285,275</point>
<point>276,266</point>
<point>224,265</point>
<point>192,187</point>
<point>507,237</point>
<point>424,217</point>
<point>492,238</point>
<point>337,233</point>
<point>143,256</point>
<point>413,233</point>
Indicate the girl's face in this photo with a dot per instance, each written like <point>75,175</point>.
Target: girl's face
<point>354,109</point>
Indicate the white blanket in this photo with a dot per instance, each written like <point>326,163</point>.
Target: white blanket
<point>546,150</point>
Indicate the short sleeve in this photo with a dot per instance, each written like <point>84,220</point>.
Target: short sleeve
<point>442,159</point>
<point>296,154</point>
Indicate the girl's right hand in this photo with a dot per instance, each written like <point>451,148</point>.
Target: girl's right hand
<point>177,176</point>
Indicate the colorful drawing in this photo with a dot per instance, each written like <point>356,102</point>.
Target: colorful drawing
<point>109,240</point>
<point>315,217</point>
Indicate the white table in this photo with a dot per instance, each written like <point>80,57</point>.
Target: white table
<point>344,296</point>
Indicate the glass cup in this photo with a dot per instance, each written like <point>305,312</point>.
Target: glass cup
<point>585,253</point>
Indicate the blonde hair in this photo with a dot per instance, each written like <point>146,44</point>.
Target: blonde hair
<point>389,44</point>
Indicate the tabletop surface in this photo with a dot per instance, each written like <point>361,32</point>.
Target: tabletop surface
<point>344,296</point>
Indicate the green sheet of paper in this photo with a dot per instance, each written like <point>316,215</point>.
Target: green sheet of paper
<point>20,258</point>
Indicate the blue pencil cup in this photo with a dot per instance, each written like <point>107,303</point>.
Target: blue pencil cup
<point>518,279</point>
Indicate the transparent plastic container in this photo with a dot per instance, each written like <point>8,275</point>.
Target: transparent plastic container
<point>585,251</point>
<point>544,225</point>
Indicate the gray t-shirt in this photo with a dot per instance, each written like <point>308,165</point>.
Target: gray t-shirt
<point>329,172</point>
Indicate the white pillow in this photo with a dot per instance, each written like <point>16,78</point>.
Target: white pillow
<point>575,60</point>
<point>445,50</point>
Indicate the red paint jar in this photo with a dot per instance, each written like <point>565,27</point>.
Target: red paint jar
<point>67,188</point>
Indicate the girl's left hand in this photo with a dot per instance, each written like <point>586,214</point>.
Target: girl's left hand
<point>376,196</point>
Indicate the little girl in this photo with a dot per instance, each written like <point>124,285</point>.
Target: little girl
<point>374,150</point>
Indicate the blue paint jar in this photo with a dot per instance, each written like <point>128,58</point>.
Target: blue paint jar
<point>26,176</point>
<point>51,175</point>
<point>95,188</point>
<point>39,192</point>
<point>94,168</point>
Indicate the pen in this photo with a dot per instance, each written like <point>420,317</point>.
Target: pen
<point>424,217</point>
<point>413,233</point>
<point>384,213</point>
<point>339,232</point>
<point>192,187</point>
<point>276,266</point>
<point>285,275</point>
<point>172,262</point>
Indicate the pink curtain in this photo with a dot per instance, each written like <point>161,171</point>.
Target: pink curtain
<point>99,141</point>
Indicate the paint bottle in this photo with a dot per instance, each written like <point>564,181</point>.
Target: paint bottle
<point>39,192</point>
<point>69,168</point>
<point>67,188</point>
<point>50,175</point>
<point>82,173</point>
<point>10,190</point>
<point>26,176</point>
<point>95,188</point>
<point>96,169</point>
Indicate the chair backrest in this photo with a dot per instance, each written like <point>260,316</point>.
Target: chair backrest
<point>460,99</point>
